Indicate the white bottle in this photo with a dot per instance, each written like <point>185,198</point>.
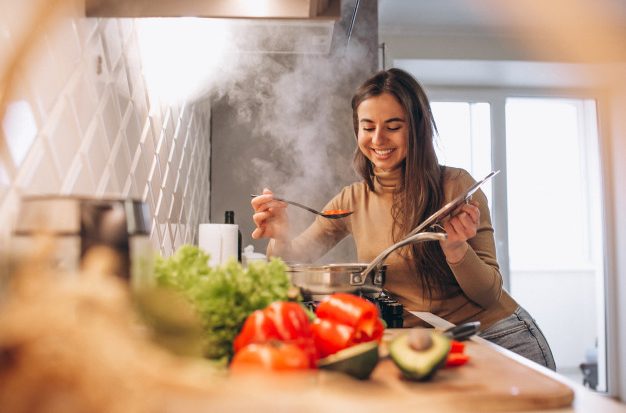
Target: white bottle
<point>249,256</point>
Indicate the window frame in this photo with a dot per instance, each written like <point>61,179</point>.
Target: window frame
<point>496,98</point>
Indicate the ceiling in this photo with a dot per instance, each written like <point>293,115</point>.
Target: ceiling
<point>579,28</point>
<point>491,16</point>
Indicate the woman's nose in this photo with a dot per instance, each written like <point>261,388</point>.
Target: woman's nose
<point>378,136</point>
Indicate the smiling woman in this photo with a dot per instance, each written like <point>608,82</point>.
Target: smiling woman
<point>403,184</point>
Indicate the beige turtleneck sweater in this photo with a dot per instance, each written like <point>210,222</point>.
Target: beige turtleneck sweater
<point>479,295</point>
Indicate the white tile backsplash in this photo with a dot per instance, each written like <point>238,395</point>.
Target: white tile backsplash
<point>94,130</point>
<point>20,130</point>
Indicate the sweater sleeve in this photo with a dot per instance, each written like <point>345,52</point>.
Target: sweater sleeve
<point>315,241</point>
<point>478,272</point>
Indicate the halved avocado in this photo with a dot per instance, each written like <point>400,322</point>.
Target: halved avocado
<point>419,364</point>
<point>357,361</point>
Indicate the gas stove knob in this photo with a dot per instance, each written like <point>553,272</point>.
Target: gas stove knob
<point>395,309</point>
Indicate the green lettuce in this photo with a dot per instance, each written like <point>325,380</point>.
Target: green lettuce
<point>223,296</point>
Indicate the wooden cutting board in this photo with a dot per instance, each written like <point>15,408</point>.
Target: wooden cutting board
<point>491,381</point>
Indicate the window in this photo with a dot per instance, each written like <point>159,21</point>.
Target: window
<point>547,147</point>
<point>464,137</point>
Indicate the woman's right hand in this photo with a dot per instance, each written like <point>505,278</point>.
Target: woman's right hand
<point>270,217</point>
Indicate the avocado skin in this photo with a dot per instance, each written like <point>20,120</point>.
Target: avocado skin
<point>358,361</point>
<point>419,365</point>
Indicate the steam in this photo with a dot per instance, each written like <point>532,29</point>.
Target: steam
<point>295,107</point>
<point>171,64</point>
<point>299,106</point>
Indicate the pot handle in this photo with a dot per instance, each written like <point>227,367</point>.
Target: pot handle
<point>358,278</point>
<point>419,237</point>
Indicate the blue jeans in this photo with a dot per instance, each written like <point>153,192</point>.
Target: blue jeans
<point>520,333</point>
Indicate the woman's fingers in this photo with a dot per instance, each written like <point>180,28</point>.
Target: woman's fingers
<point>463,225</point>
<point>461,229</point>
<point>258,233</point>
<point>473,211</point>
<point>470,209</point>
<point>259,218</point>
<point>269,216</point>
<point>265,202</point>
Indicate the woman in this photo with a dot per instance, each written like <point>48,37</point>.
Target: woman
<point>457,279</point>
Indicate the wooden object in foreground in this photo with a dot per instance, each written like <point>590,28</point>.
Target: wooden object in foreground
<point>490,381</point>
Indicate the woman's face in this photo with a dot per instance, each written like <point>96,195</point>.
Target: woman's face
<point>383,131</point>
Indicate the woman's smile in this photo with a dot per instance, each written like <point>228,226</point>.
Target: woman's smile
<point>383,153</point>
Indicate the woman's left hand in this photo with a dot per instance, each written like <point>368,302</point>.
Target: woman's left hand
<point>462,226</point>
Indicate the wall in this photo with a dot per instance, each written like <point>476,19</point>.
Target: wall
<point>287,125</point>
<point>81,121</point>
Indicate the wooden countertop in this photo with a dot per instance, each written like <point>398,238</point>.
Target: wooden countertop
<point>585,400</point>
<point>497,380</point>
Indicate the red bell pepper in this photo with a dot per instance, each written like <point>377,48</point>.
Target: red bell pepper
<point>282,321</point>
<point>331,336</point>
<point>456,359</point>
<point>257,328</point>
<point>289,319</point>
<point>274,355</point>
<point>456,356</point>
<point>345,320</point>
<point>349,309</point>
<point>457,346</point>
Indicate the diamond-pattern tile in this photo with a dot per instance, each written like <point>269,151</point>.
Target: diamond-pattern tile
<point>166,241</point>
<point>97,131</point>
<point>98,150</point>
<point>122,91</point>
<point>111,119</point>
<point>97,69</point>
<point>121,160</point>
<point>82,183</point>
<point>133,129</point>
<point>83,101</point>
<point>112,42</point>
<point>126,28</point>
<point>65,139</point>
<point>45,174</point>
<point>110,184</point>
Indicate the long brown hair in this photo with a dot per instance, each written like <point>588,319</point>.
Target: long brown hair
<point>420,193</point>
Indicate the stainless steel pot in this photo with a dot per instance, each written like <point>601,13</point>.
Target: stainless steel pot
<point>317,281</point>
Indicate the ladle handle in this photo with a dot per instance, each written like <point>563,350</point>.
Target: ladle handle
<point>421,237</point>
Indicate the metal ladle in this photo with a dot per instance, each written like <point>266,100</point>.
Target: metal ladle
<point>322,213</point>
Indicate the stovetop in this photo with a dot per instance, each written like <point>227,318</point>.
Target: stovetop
<point>390,309</point>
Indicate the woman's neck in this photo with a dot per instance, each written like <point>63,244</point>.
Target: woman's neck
<point>387,180</point>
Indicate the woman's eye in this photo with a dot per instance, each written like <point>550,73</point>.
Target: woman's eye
<point>394,128</point>
<point>368,129</point>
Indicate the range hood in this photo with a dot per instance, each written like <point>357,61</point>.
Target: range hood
<point>253,26</point>
<point>244,9</point>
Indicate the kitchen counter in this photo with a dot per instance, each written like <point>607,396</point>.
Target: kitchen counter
<point>79,343</point>
<point>585,400</point>
<point>495,380</point>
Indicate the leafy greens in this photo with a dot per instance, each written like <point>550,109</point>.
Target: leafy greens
<point>222,296</point>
